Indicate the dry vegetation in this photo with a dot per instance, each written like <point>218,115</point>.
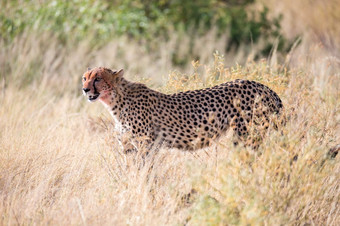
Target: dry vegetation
<point>60,162</point>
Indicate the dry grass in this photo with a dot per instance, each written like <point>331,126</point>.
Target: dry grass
<point>315,20</point>
<point>60,162</point>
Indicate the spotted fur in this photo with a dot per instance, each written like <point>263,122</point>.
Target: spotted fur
<point>186,120</point>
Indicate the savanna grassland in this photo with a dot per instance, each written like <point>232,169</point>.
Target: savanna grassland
<point>60,162</point>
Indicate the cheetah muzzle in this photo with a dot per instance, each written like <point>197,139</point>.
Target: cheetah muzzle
<point>186,120</point>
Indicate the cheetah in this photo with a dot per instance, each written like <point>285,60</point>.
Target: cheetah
<point>187,120</point>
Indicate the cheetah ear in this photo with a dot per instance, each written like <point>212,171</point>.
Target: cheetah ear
<point>119,73</point>
<point>115,76</point>
<point>88,69</point>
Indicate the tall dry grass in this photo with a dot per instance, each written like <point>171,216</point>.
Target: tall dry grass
<point>315,20</point>
<point>60,162</point>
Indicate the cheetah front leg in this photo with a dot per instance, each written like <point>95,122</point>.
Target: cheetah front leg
<point>133,144</point>
<point>127,143</point>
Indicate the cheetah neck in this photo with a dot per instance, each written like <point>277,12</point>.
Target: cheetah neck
<point>114,99</point>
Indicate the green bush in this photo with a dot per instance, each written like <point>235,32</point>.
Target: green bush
<point>103,20</point>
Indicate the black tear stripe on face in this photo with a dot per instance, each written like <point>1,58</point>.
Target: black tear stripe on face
<point>95,90</point>
<point>94,86</point>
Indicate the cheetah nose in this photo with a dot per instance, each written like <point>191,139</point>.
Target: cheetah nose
<point>86,90</point>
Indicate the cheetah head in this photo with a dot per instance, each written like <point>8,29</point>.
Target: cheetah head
<point>99,82</point>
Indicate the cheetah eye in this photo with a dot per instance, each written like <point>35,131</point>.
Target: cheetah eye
<point>84,79</point>
<point>97,79</point>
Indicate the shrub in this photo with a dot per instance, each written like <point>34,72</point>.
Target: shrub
<point>101,21</point>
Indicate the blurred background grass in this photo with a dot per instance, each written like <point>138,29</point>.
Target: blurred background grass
<point>59,158</point>
<point>169,32</point>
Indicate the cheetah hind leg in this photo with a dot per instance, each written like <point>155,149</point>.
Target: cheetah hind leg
<point>249,137</point>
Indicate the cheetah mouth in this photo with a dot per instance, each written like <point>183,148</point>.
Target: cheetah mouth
<point>93,98</point>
